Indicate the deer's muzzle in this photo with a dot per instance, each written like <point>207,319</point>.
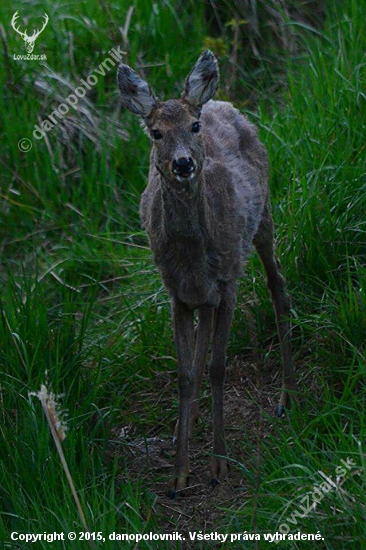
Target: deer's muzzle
<point>183,167</point>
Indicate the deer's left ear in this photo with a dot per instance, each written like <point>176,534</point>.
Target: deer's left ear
<point>203,80</point>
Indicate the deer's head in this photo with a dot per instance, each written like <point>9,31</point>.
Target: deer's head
<point>174,125</point>
<point>29,40</point>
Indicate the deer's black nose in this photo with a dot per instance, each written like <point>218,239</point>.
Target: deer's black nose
<point>183,166</point>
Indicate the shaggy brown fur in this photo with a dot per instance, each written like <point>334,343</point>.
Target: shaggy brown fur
<point>206,203</point>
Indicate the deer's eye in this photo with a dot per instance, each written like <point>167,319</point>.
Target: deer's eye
<point>196,127</point>
<point>156,134</point>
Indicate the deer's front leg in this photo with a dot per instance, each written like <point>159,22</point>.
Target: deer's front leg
<point>223,318</point>
<point>203,334</point>
<point>184,339</point>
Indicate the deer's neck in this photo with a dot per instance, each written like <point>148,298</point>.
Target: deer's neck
<point>186,213</point>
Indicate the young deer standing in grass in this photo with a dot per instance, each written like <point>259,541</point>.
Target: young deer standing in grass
<point>206,203</point>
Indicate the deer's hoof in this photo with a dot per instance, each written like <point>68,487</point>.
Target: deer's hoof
<point>219,471</point>
<point>174,492</point>
<point>289,397</point>
<point>178,483</point>
<point>286,402</point>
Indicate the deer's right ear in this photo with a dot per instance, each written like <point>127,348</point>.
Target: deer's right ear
<point>136,94</point>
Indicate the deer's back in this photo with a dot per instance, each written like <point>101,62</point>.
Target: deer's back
<point>236,170</point>
<point>232,145</point>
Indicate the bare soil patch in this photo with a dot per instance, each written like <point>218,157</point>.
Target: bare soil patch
<point>251,398</point>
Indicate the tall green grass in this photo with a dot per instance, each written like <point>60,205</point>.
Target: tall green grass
<point>83,308</point>
<point>316,145</point>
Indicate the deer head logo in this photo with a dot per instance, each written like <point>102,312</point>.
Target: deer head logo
<point>29,40</point>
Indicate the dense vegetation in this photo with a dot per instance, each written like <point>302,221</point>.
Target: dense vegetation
<point>82,306</point>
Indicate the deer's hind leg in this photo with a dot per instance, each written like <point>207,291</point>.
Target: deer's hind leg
<point>264,243</point>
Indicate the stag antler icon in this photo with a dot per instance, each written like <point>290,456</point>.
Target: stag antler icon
<point>29,40</point>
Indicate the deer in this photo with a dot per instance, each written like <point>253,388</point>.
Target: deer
<point>29,40</point>
<point>207,202</point>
